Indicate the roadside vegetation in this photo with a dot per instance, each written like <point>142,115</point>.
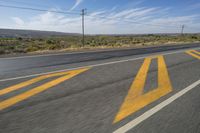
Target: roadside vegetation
<point>47,44</point>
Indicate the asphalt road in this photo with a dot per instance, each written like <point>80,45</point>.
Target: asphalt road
<point>151,90</point>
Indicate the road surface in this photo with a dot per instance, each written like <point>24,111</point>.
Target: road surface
<point>151,90</point>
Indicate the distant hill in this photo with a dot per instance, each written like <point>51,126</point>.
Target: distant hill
<point>12,33</point>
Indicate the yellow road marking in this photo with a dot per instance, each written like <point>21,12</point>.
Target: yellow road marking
<point>139,81</point>
<point>197,52</point>
<point>134,102</point>
<point>11,101</point>
<point>29,82</point>
<point>194,53</point>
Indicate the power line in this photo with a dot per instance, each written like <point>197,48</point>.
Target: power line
<point>83,13</point>
<point>103,17</point>
<point>30,4</point>
<point>24,3</point>
<point>37,9</point>
<point>76,13</point>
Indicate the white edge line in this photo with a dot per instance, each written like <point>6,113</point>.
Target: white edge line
<point>155,109</point>
<point>95,65</point>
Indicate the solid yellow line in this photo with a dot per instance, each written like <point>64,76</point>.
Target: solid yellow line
<point>194,55</point>
<point>197,52</point>
<point>135,90</point>
<point>163,76</point>
<point>135,104</point>
<point>16,99</point>
<point>139,80</point>
<point>29,82</point>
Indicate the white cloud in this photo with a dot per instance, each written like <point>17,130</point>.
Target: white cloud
<point>175,20</point>
<point>77,3</point>
<point>141,20</point>
<point>18,20</point>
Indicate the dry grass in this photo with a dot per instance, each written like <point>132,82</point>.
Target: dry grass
<point>73,43</point>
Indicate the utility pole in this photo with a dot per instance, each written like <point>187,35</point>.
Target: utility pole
<point>83,13</point>
<point>182,29</point>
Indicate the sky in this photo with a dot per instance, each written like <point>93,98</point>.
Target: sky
<point>103,16</point>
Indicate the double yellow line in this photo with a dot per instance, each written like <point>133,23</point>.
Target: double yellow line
<point>136,99</point>
<point>194,53</point>
<point>16,99</point>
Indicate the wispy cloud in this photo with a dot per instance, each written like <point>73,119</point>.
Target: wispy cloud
<point>77,3</point>
<point>142,20</point>
<point>138,12</point>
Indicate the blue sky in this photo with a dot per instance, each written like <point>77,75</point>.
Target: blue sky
<point>104,16</point>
